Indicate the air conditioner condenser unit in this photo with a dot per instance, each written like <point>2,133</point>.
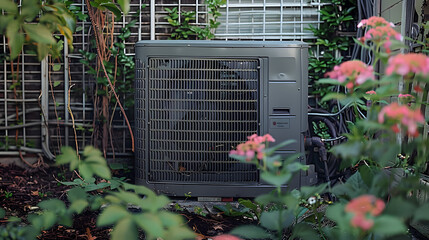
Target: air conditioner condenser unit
<point>196,100</point>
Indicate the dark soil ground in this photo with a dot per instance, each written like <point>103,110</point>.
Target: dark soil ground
<point>22,189</point>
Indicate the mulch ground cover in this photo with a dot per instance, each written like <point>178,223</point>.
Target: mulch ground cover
<point>22,189</point>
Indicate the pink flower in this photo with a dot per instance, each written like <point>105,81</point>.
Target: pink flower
<point>405,95</point>
<point>372,92</point>
<point>382,34</point>
<point>360,221</point>
<point>374,22</point>
<point>254,147</point>
<point>406,98</point>
<point>261,139</point>
<point>353,72</point>
<point>226,237</point>
<point>404,64</point>
<point>402,114</point>
<point>269,138</point>
<point>379,31</point>
<point>363,206</point>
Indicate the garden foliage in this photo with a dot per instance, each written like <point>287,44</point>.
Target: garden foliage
<point>152,218</point>
<point>385,150</point>
<point>184,22</point>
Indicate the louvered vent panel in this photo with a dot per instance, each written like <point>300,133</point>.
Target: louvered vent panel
<point>140,115</point>
<point>199,109</point>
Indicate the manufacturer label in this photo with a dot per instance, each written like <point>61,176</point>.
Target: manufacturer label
<point>280,123</point>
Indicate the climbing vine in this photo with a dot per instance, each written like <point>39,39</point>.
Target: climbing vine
<point>30,27</point>
<point>332,43</point>
<point>113,71</point>
<point>184,22</point>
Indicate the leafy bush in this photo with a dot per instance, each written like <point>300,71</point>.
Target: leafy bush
<point>152,218</point>
<point>385,150</point>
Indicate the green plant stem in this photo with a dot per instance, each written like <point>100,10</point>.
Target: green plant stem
<point>280,230</point>
<point>97,38</point>
<point>376,54</point>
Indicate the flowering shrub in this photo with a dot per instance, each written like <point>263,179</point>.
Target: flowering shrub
<point>352,73</point>
<point>374,150</point>
<point>410,63</point>
<point>382,144</point>
<point>403,115</point>
<point>253,147</point>
<point>362,206</point>
<point>374,21</point>
<point>380,32</point>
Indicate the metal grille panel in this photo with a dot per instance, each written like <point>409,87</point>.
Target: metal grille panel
<point>199,109</point>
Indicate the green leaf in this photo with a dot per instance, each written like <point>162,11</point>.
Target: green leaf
<point>421,214</point>
<point>296,166</point>
<point>153,204</point>
<point>93,187</point>
<point>179,233</point>
<point>276,180</point>
<point>329,81</point>
<point>266,199</point>
<point>56,67</point>
<point>401,208</point>
<point>66,32</point>
<point>75,182</point>
<point>91,151</point>
<point>336,96</point>
<point>169,219</point>
<point>65,219</point>
<point>94,4</point>
<point>125,229</point>
<point>113,8</point>
<point>132,198</point>
<point>15,38</point>
<point>42,51</point>
<point>277,220</point>
<point>30,9</point>
<point>249,204</point>
<point>86,170</point>
<point>4,21</point>
<point>150,223</point>
<point>68,155</point>
<point>70,21</point>
<point>353,187</point>
<point>16,45</point>
<point>8,6</point>
<point>76,193</point>
<point>39,33</point>
<point>57,83</point>
<point>115,183</point>
<point>54,205</point>
<point>250,232</point>
<point>78,206</point>
<point>112,214</point>
<point>125,6</point>
<point>95,158</point>
<point>304,231</point>
<point>309,191</point>
<point>102,171</point>
<point>388,226</point>
<point>140,189</point>
<point>47,220</point>
<point>349,150</point>
<point>336,213</point>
